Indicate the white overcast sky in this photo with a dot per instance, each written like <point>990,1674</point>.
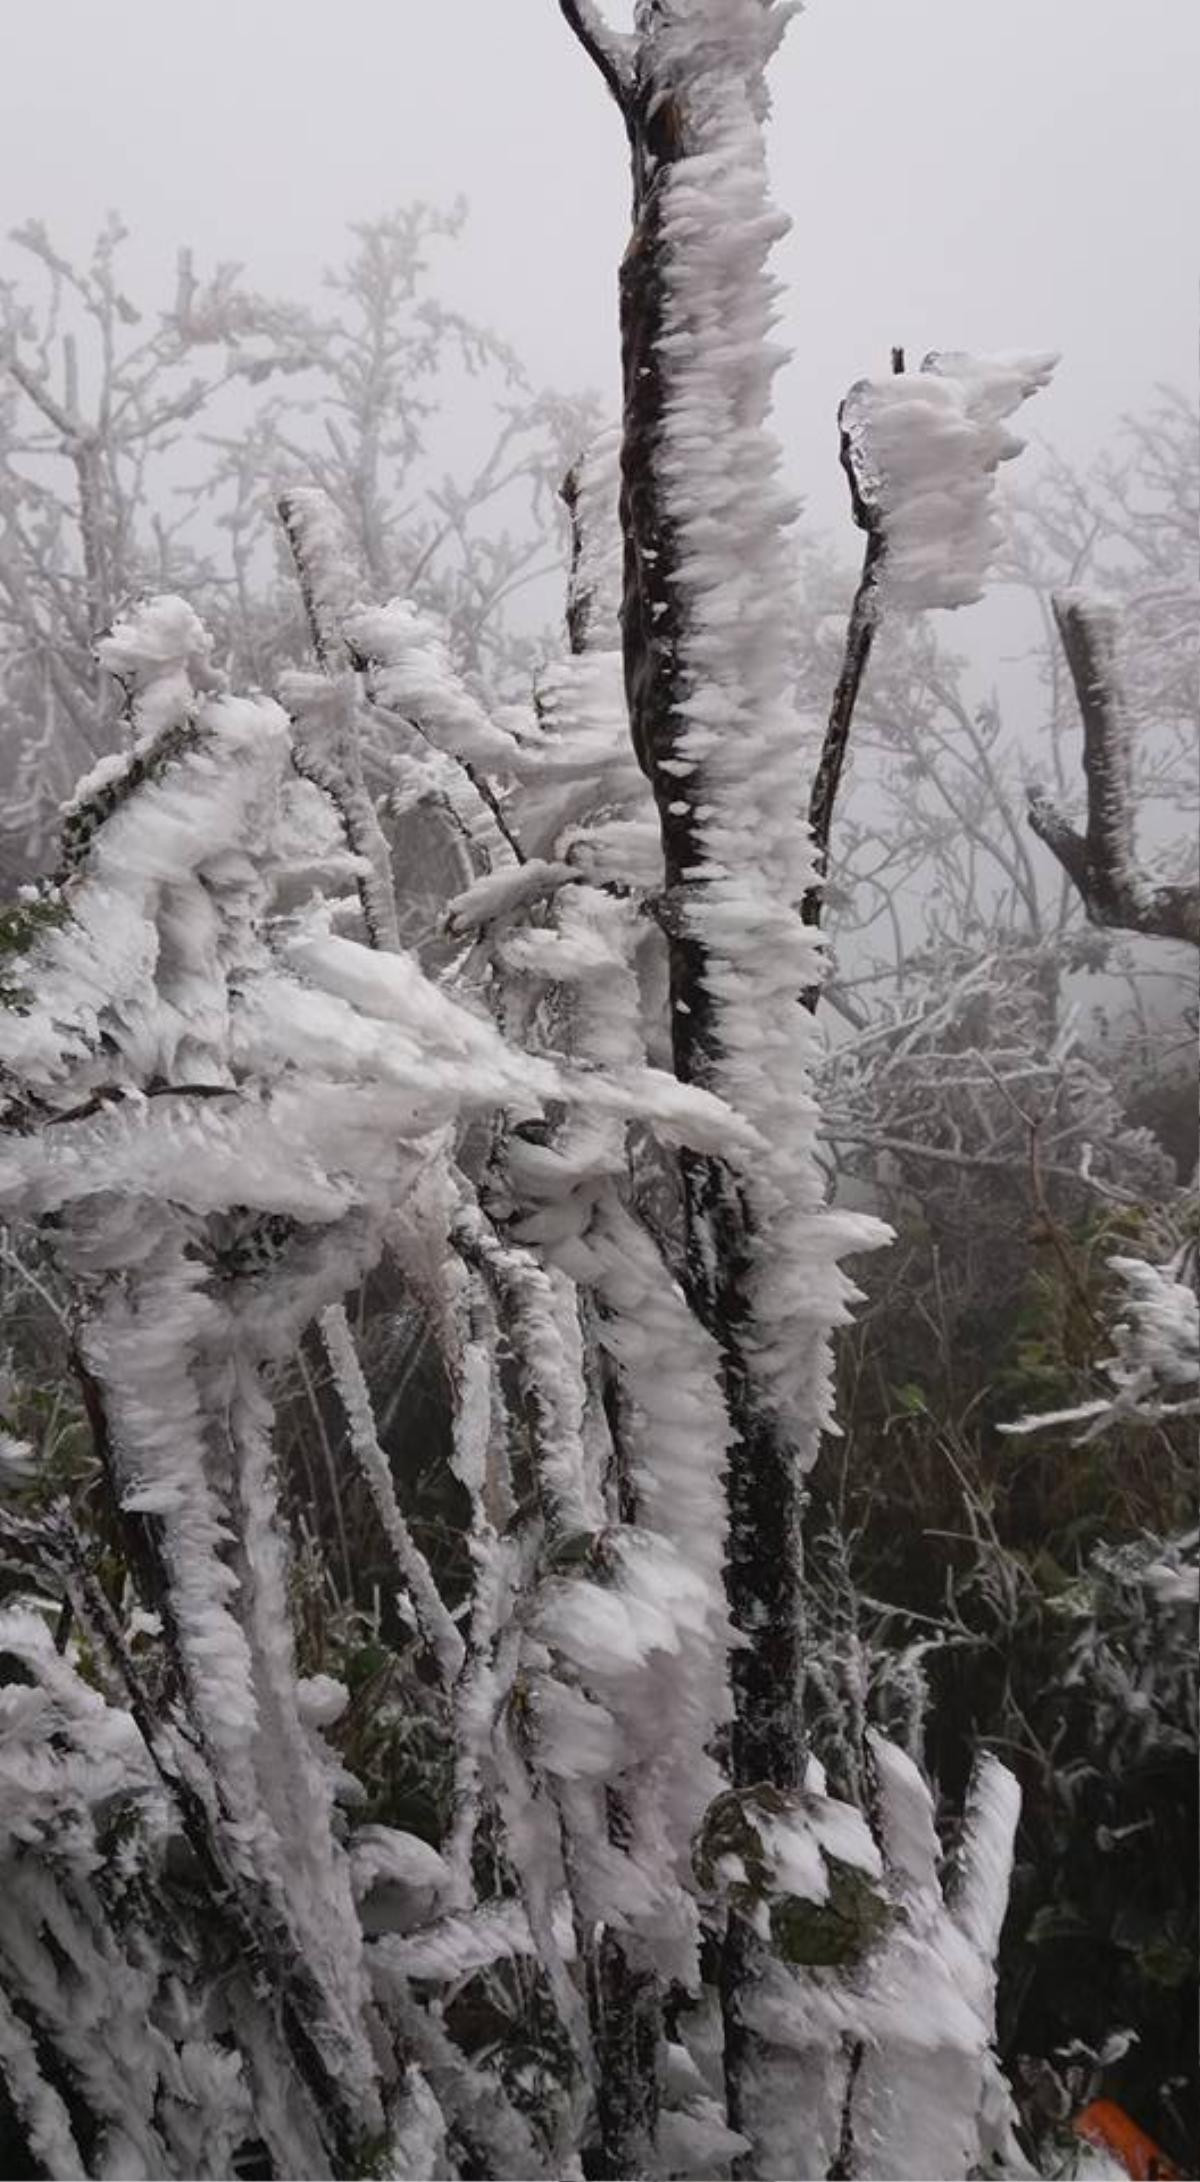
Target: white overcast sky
<point>960,173</point>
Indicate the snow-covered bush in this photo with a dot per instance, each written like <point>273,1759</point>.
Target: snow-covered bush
<point>966,1583</point>
<point>1155,1371</point>
<point>227,1093</point>
<point>527,1869</point>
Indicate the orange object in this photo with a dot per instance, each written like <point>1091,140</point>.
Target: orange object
<point>1109,2128</point>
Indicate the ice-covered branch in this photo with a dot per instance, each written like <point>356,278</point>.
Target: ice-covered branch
<point>1155,1370</point>
<point>326,710</point>
<point>614,52</point>
<point>922,450</point>
<point>706,603</point>
<point>871,2003</point>
<point>437,1628</point>
<point>822,801</point>
<point>330,580</point>
<point>1100,862</point>
<point>501,893</point>
<point>920,454</point>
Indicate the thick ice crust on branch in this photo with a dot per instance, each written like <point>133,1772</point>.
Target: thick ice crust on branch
<point>882,2064</point>
<point>411,673</point>
<point>502,892</point>
<point>330,579</point>
<point>160,653</point>
<point>923,449</point>
<point>590,492</point>
<point>735,748</point>
<point>638,1637</point>
<point>1155,1370</point>
<point>612,51</point>
<point>156,1065</point>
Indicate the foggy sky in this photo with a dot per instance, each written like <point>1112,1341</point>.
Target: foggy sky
<point>960,174</point>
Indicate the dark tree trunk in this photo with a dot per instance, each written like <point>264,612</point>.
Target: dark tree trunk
<point>765,1494</point>
<point>673,101</point>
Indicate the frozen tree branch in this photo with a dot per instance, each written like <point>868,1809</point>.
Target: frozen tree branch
<point>1100,861</point>
<point>328,745</point>
<point>919,454</point>
<point>330,583</point>
<point>860,637</point>
<point>438,1630</point>
<point>1155,1370</point>
<point>613,52</point>
<point>39,393</point>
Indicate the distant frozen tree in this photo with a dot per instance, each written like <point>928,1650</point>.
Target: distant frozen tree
<point>100,403</point>
<point>971,1085</point>
<point>1122,531</point>
<point>932,847</point>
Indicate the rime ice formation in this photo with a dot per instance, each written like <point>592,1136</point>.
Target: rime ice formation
<point>231,1094</point>
<point>923,449</point>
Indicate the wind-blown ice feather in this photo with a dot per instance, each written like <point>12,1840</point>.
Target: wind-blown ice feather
<point>923,449</point>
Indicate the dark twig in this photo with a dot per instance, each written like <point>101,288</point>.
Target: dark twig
<point>860,636</point>
<point>843,2166</point>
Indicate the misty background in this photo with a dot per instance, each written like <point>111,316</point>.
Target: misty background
<point>957,176</point>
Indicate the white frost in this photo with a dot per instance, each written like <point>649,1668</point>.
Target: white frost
<point>924,448</point>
